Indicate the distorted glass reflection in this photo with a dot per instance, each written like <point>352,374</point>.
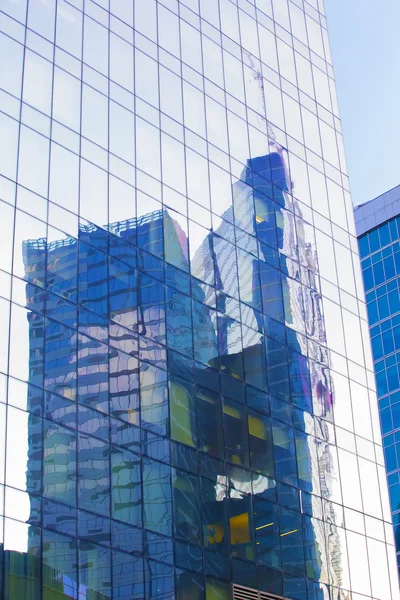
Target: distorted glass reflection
<point>237,305</point>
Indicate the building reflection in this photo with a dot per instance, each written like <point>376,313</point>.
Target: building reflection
<point>229,363</point>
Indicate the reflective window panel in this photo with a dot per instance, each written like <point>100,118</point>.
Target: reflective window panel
<point>187,398</point>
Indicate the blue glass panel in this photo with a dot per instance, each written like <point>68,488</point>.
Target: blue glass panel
<point>128,576</point>
<point>254,359</point>
<point>386,420</point>
<point>374,241</point>
<point>216,565</point>
<point>157,510</point>
<point>184,457</point>
<point>94,235</point>
<point>393,378</point>
<point>189,585</point>
<point>230,346</point>
<point>93,423</point>
<point>270,581</point>
<point>235,433</point>
<point>94,528</point>
<point>394,301</point>
<point>122,249</point>
<point>295,587</point>
<point>126,487</point>
<point>60,310</point>
<point>95,569</point>
<point>151,265</point>
<point>260,443</point>
<point>189,557</point>
<point>300,385</point>
<point>93,374</point>
<point>388,251</point>
<point>388,343</point>
<point>393,230</point>
<point>60,348</point>
<point>396,334</point>
<point>59,517</point>
<point>151,308</point>
<point>126,538</point>
<point>372,309</point>
<point>379,274</point>
<point>93,472</point>
<point>288,496</point>
<point>396,415</point>
<point>178,279</point>
<point>381,291</point>
<point>232,387</point>
<point>384,234</point>
<point>209,422</point>
<point>397,262</point>
<point>159,581</point>
<point>363,244</point>
<point>284,453</point>
<point>377,347</point>
<point>368,278</point>
<point>62,269</point>
<point>60,575</point>
<point>186,503</point>
<point>153,399</point>
<point>271,291</point>
<point>179,322</point>
<point>257,399</point>
<point>394,398</point>
<point>93,278</point>
<point>59,466</point>
<point>394,493</point>
<point>155,446</point>
<point>384,403</point>
<point>244,573</point>
<point>214,516</point>
<point>277,367</point>
<point>391,458</point>
<point>150,235</point>
<point>158,547</point>
<point>125,434</point>
<point>267,533</point>
<point>389,267</point>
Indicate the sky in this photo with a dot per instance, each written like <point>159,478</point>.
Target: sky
<point>365,45</point>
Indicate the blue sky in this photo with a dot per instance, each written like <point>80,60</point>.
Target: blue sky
<point>365,44</point>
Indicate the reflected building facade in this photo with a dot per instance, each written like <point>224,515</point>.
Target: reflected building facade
<point>187,405</point>
<point>377,226</point>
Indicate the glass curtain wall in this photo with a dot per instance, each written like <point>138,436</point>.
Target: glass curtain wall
<point>380,254</point>
<point>187,396</point>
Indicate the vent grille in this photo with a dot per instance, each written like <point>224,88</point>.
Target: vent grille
<point>244,593</point>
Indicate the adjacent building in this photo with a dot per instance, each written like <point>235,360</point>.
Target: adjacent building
<point>187,404</point>
<point>378,231</point>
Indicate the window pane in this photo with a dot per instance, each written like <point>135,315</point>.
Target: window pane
<point>186,506</point>
<point>126,489</point>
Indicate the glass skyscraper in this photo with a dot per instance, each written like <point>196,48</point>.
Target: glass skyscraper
<point>378,230</point>
<point>187,404</point>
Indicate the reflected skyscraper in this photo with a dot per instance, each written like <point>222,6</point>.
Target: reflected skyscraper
<point>187,407</point>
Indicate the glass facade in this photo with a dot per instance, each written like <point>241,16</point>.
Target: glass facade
<point>187,392</point>
<point>380,255</point>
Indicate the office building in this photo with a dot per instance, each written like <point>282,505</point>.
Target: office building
<point>187,406</point>
<point>378,227</point>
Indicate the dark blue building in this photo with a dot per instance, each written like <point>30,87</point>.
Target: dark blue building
<point>378,230</point>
